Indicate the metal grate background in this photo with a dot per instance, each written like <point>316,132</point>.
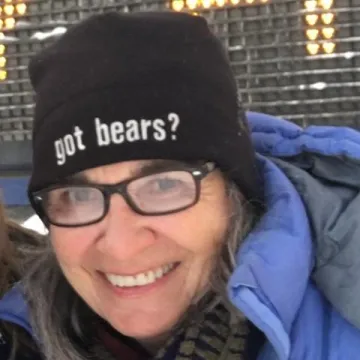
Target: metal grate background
<point>266,40</point>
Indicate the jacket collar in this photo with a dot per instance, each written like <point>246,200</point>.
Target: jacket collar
<point>13,308</point>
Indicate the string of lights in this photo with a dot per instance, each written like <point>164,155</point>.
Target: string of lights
<point>9,11</point>
<point>320,27</point>
<point>299,59</point>
<point>181,5</point>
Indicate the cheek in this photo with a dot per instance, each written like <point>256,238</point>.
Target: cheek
<point>199,230</point>
<point>71,245</point>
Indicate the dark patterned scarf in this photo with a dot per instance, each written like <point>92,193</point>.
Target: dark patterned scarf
<point>208,337</point>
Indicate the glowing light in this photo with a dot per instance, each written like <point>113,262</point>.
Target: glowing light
<point>311,19</point>
<point>313,48</point>
<point>3,75</point>
<point>312,34</point>
<point>21,9</point>
<point>328,32</point>
<point>9,10</point>
<point>2,62</point>
<point>326,4</point>
<point>9,23</point>
<point>327,18</point>
<point>191,4</point>
<point>220,3</point>
<point>178,5</point>
<point>329,47</point>
<point>206,3</point>
<point>318,16</point>
<point>310,5</point>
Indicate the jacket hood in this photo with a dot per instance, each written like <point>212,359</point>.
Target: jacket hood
<point>323,163</point>
<point>294,239</point>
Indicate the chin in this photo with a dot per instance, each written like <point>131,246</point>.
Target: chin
<point>145,327</point>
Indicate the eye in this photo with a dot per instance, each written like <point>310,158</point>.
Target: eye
<point>164,184</point>
<point>80,194</point>
<point>71,195</point>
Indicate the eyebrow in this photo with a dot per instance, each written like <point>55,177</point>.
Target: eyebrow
<point>147,168</point>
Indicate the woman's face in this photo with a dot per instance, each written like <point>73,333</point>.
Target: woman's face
<point>102,261</point>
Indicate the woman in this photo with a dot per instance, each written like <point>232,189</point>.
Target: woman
<point>169,238</point>
<point>7,263</point>
<point>16,243</point>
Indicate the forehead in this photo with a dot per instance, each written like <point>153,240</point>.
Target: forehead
<point>114,173</point>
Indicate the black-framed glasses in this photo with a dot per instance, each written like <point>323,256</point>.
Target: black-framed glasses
<point>160,193</point>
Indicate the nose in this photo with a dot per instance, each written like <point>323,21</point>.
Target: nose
<point>126,234</point>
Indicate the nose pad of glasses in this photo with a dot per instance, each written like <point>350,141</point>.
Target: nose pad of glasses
<point>120,198</point>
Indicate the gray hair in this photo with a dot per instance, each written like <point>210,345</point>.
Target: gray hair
<point>55,307</point>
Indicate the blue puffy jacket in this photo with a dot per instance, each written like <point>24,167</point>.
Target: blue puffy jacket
<point>298,273</point>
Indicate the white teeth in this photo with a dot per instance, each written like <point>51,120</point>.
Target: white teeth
<point>151,277</point>
<point>129,281</point>
<point>159,273</point>
<point>139,279</point>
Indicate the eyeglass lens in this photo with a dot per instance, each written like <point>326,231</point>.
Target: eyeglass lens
<point>153,194</point>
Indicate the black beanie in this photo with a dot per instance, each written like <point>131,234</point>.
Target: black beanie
<point>120,87</point>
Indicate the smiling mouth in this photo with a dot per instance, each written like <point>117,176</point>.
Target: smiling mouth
<point>141,279</point>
